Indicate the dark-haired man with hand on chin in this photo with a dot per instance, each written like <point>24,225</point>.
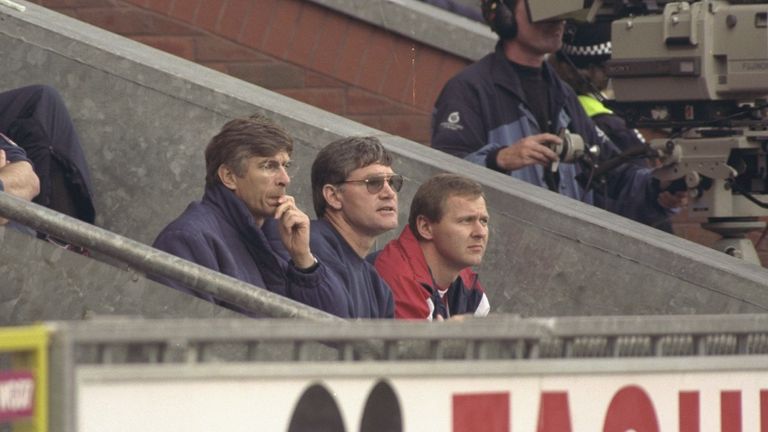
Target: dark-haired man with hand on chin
<point>246,181</point>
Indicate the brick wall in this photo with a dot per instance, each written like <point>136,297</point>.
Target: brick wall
<point>690,228</point>
<point>293,47</point>
<point>305,52</point>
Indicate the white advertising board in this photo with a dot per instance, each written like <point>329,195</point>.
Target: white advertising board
<point>691,395</point>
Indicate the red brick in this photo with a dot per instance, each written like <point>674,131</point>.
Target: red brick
<point>695,233</point>
<point>413,127</point>
<point>376,60</point>
<point>329,47</point>
<point>449,67</point>
<point>313,79</point>
<point>364,102</point>
<point>180,46</point>
<point>428,63</point>
<point>257,23</point>
<point>373,121</point>
<point>409,95</point>
<point>328,99</point>
<point>308,32</point>
<point>399,80</point>
<point>233,18</point>
<point>160,6</point>
<point>212,48</point>
<point>185,10</point>
<point>356,41</point>
<point>221,67</point>
<point>130,22</point>
<point>208,14</point>
<point>282,28</point>
<point>269,75</point>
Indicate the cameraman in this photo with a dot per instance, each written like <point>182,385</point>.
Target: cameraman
<point>504,112</point>
<point>582,64</point>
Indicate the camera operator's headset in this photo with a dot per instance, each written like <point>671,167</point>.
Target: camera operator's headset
<point>500,16</point>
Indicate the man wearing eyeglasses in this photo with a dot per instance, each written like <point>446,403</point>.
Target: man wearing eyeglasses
<point>246,181</point>
<point>429,267</point>
<point>354,191</point>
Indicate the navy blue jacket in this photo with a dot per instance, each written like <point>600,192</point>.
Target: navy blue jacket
<point>36,118</point>
<point>220,233</point>
<point>13,153</point>
<point>483,109</point>
<point>365,292</point>
<point>626,138</point>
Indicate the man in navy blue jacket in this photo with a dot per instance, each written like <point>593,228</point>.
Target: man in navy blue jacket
<point>36,118</point>
<point>354,191</point>
<point>246,181</point>
<point>506,110</point>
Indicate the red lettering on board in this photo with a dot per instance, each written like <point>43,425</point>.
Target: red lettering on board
<point>689,411</point>
<point>488,412</point>
<point>17,395</point>
<point>730,411</point>
<point>554,412</point>
<point>763,410</point>
<point>631,408</point>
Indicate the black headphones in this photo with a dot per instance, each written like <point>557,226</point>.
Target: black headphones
<point>500,15</point>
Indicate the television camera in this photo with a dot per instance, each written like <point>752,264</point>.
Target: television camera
<point>700,71</point>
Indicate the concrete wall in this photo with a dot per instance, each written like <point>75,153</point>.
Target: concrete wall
<point>44,281</point>
<point>145,117</point>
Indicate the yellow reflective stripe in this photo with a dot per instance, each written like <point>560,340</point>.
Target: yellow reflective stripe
<point>593,106</point>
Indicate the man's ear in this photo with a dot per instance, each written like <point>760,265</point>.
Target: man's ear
<point>332,198</point>
<point>227,177</point>
<point>424,227</point>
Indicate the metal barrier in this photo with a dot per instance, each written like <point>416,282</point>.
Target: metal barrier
<point>577,364</point>
<point>499,337</point>
<point>152,261</point>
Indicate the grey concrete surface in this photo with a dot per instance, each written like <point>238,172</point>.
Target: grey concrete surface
<point>146,116</point>
<point>42,280</point>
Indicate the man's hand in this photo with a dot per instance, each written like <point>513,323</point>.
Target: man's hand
<point>531,150</point>
<point>294,232</point>
<point>670,200</point>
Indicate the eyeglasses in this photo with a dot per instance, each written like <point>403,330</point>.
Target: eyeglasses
<point>375,184</point>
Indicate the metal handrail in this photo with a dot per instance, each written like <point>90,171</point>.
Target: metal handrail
<point>499,337</point>
<point>252,299</point>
